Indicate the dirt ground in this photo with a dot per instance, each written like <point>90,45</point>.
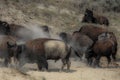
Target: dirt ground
<point>79,71</point>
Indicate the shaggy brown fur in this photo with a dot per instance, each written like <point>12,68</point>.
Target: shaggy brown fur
<point>92,31</point>
<point>103,48</point>
<point>42,49</point>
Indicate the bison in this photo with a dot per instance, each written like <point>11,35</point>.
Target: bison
<point>5,53</point>
<point>113,38</point>
<point>90,17</point>
<point>92,31</point>
<point>79,42</point>
<point>42,49</point>
<point>104,46</point>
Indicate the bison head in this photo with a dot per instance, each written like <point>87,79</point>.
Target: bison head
<point>88,16</point>
<point>16,49</point>
<point>4,27</point>
<point>65,37</point>
<point>88,12</point>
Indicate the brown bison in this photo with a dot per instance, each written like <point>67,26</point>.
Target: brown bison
<point>92,31</point>
<point>5,53</point>
<point>103,47</point>
<point>43,49</point>
<point>113,38</point>
<point>90,17</point>
<point>79,42</point>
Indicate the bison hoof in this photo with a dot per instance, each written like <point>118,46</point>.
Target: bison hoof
<point>44,70</point>
<point>98,66</point>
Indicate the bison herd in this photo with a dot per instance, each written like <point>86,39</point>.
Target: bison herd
<point>90,41</point>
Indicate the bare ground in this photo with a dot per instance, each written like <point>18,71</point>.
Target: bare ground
<point>79,71</point>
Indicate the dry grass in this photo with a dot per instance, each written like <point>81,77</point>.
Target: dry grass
<point>60,15</point>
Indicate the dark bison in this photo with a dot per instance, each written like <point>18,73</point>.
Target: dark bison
<point>92,31</point>
<point>4,28</point>
<point>79,42</point>
<point>5,53</point>
<point>43,49</point>
<point>104,46</point>
<point>90,17</point>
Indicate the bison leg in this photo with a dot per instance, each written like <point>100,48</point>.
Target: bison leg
<point>89,60</point>
<point>114,57</point>
<point>23,60</point>
<point>6,61</point>
<point>68,64</point>
<point>97,61</point>
<point>109,60</point>
<point>39,66</point>
<point>79,55</point>
<point>64,63</point>
<point>42,63</point>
